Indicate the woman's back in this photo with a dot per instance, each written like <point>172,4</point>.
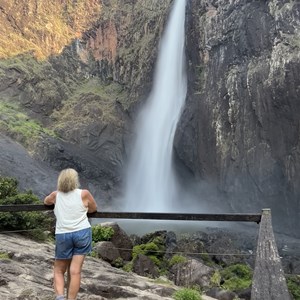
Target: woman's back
<point>70,212</point>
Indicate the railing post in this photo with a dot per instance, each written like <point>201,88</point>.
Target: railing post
<point>268,279</point>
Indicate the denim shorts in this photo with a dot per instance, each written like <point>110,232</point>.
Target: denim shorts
<point>73,243</point>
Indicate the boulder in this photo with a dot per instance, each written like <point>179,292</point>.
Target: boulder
<point>28,274</point>
<point>192,272</point>
<point>221,294</point>
<point>107,251</point>
<point>144,266</point>
<point>121,240</point>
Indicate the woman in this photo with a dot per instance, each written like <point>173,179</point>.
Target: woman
<point>73,232</point>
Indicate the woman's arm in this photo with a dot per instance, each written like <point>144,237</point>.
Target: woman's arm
<point>89,201</point>
<point>50,199</point>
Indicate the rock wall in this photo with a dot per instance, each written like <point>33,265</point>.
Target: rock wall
<point>239,132</point>
<point>241,126</point>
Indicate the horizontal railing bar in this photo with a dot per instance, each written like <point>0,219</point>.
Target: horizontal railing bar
<point>144,215</point>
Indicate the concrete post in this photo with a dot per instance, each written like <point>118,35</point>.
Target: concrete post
<point>268,279</point>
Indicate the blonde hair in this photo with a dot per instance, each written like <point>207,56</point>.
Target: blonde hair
<point>67,180</point>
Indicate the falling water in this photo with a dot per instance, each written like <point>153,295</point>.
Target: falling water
<point>151,182</point>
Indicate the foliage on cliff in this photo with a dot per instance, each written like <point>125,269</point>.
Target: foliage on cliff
<point>43,27</point>
<point>33,224</point>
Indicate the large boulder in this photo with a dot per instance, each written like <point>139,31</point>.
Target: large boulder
<point>121,240</point>
<point>191,272</point>
<point>144,266</point>
<point>27,273</point>
<point>107,251</point>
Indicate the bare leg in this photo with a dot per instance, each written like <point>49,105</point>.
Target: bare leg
<point>60,267</point>
<point>75,274</point>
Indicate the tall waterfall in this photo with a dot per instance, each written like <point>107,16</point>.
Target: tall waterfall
<point>151,183</point>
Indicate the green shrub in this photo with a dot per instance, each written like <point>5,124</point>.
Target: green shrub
<point>8,187</point>
<point>146,249</point>
<point>101,233</point>
<point>187,294</point>
<point>118,262</point>
<point>30,223</point>
<point>236,277</point>
<point>177,259</point>
<point>149,249</point>
<point>128,267</point>
<point>215,280</point>
<point>207,259</point>
<point>4,255</point>
<point>293,283</point>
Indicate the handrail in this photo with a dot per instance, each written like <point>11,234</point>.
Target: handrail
<point>231,217</point>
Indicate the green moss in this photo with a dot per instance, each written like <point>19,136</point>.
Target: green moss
<point>19,125</point>
<point>187,294</point>
<point>293,283</point>
<point>94,100</point>
<point>177,259</point>
<point>215,280</point>
<point>4,255</point>
<point>236,277</point>
<point>128,267</point>
<point>155,250</point>
<point>118,262</point>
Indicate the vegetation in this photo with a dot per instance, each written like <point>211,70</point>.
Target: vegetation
<point>177,259</point>
<point>94,100</point>
<point>19,125</point>
<point>128,267</point>
<point>187,294</point>
<point>32,224</point>
<point>4,255</point>
<point>49,26</point>
<point>154,249</point>
<point>236,277</point>
<point>293,283</point>
<point>101,233</point>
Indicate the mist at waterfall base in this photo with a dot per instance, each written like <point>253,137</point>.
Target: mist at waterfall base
<point>151,181</point>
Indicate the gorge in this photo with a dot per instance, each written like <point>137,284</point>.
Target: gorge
<point>76,76</point>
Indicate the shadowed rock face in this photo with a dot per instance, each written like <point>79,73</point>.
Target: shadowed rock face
<point>241,126</point>
<point>239,132</point>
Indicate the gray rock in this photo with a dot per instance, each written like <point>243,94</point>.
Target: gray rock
<point>192,272</point>
<point>107,251</point>
<point>29,275</point>
<point>121,240</point>
<point>144,266</point>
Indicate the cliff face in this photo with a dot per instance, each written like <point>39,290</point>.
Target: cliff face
<point>239,131</point>
<point>243,107</point>
<point>74,107</point>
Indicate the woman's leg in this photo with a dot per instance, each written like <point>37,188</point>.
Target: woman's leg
<point>75,275</point>
<point>60,267</point>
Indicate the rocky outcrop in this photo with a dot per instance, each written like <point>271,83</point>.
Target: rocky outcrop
<point>237,144</point>
<point>28,273</point>
<point>243,105</point>
<point>81,102</point>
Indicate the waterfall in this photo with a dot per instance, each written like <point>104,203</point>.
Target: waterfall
<point>151,182</point>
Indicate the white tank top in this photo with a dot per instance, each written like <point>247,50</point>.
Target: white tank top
<point>70,212</point>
